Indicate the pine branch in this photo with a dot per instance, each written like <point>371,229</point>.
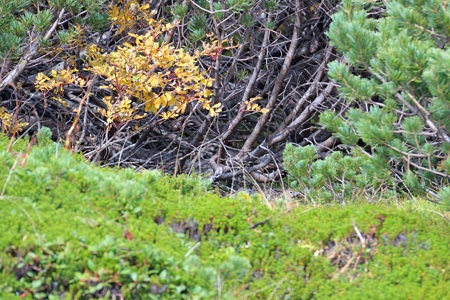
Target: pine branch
<point>33,48</point>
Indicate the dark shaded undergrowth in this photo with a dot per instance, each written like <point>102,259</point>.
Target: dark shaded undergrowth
<point>73,230</point>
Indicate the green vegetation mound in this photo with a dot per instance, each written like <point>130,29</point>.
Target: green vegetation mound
<point>72,230</point>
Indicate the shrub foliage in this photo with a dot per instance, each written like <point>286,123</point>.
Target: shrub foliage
<point>75,230</point>
<point>396,85</point>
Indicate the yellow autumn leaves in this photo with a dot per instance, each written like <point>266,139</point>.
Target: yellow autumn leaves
<point>128,14</point>
<point>250,105</point>
<point>56,82</point>
<point>155,74</point>
<point>145,74</point>
<point>9,122</point>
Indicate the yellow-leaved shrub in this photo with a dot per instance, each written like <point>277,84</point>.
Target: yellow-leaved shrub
<point>145,74</point>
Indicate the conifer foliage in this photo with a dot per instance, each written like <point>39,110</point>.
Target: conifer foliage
<point>396,81</point>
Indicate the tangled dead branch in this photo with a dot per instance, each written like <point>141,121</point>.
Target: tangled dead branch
<point>281,57</point>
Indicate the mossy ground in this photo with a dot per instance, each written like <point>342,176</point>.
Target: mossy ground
<point>70,229</point>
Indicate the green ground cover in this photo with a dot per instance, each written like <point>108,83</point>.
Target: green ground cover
<point>72,230</point>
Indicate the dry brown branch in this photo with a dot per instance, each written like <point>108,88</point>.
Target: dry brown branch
<point>278,84</point>
<point>250,85</point>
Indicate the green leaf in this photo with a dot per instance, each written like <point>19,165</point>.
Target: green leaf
<point>91,265</point>
<point>36,284</point>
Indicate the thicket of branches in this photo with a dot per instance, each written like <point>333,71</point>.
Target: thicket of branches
<point>242,79</point>
<point>273,54</point>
